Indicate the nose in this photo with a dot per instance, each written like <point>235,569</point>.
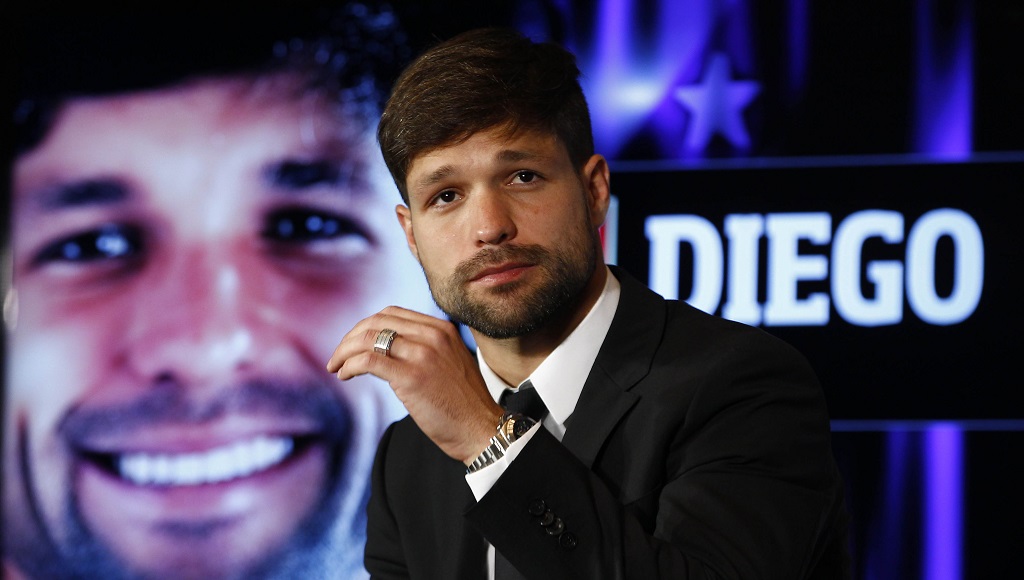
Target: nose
<point>195,322</point>
<point>493,221</point>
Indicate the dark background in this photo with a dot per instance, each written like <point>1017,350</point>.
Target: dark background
<point>842,143</point>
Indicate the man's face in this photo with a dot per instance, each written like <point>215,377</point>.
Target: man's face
<point>184,261</point>
<point>506,229</point>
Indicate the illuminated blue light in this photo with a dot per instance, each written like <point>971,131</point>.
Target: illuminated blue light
<point>637,97</point>
<point>716,105</point>
<point>637,55</point>
<point>608,67</point>
<point>613,49</point>
<point>798,38</point>
<point>944,81</point>
<point>886,547</point>
<point>943,503</point>
<point>632,69</point>
<point>938,447</point>
<point>641,53</point>
<point>881,425</point>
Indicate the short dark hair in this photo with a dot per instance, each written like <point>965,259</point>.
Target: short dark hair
<point>478,80</point>
<point>351,53</point>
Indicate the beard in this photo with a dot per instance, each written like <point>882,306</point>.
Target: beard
<point>321,545</point>
<point>520,308</point>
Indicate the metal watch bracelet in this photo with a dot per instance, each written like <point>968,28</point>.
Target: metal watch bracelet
<point>509,426</point>
<point>495,450</point>
<point>496,447</point>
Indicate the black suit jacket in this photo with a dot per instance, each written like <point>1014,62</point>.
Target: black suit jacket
<point>700,448</point>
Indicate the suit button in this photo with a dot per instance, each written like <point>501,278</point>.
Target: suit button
<point>556,528</point>
<point>547,519</point>
<point>537,508</point>
<point>567,541</point>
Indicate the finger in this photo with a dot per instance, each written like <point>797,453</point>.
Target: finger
<point>369,363</point>
<point>404,357</point>
<point>408,324</point>
<point>359,338</point>
<point>412,360</point>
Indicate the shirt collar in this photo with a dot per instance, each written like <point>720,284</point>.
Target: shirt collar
<point>560,377</point>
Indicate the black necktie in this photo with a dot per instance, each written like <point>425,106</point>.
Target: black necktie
<point>525,401</point>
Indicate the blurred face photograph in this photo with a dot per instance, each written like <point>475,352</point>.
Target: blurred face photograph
<point>183,259</point>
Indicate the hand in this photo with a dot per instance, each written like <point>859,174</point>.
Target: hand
<point>431,371</point>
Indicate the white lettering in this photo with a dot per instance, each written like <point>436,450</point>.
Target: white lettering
<point>665,234</point>
<point>969,265</point>
<point>787,268</point>
<point>744,231</point>
<point>887,276</point>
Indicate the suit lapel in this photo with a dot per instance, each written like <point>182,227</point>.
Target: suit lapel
<point>625,358</point>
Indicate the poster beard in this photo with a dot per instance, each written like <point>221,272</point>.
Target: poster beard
<point>321,546</point>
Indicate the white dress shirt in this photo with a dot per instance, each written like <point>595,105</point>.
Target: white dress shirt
<point>559,381</point>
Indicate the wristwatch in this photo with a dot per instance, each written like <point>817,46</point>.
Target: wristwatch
<point>511,426</point>
<point>514,425</point>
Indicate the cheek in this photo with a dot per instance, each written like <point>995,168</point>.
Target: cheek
<point>49,373</point>
<point>555,222</point>
<point>440,248</point>
<point>321,313</point>
<point>67,346</point>
<point>318,320</point>
<point>51,368</point>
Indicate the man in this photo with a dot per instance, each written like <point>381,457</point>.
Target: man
<point>671,444</point>
<point>182,248</point>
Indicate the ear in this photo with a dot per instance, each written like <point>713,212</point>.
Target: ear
<point>405,219</point>
<point>597,181</point>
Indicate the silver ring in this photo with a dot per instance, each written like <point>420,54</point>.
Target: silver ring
<point>382,345</point>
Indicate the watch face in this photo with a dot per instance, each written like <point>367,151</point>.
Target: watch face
<point>521,426</point>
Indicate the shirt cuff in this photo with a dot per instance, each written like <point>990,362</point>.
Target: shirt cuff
<point>482,480</point>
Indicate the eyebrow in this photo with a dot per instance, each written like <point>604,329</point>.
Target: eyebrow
<point>436,175</point>
<point>503,156</point>
<point>512,155</point>
<point>304,174</point>
<point>87,192</point>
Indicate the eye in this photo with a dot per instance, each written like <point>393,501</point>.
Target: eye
<point>446,197</point>
<point>306,225</point>
<point>524,176</point>
<point>108,242</point>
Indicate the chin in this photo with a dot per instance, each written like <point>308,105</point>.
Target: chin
<point>237,528</point>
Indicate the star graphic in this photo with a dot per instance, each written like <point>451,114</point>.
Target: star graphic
<point>716,105</point>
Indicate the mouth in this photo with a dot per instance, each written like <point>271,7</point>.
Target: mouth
<point>171,505</point>
<point>501,273</point>
<point>224,463</point>
<point>164,480</point>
